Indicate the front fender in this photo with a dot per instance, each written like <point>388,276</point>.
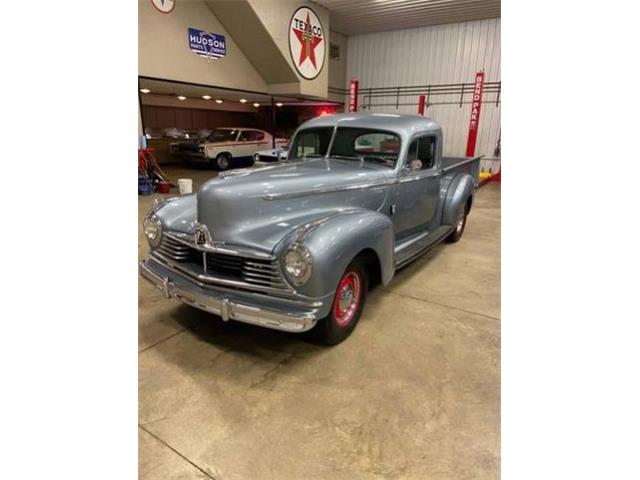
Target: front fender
<point>178,213</point>
<point>336,239</point>
<point>460,189</point>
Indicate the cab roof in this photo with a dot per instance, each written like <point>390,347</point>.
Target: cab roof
<point>403,124</point>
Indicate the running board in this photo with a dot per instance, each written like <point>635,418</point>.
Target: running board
<point>409,250</point>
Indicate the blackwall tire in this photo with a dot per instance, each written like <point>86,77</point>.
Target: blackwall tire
<point>347,305</point>
<point>222,162</point>
<point>456,235</point>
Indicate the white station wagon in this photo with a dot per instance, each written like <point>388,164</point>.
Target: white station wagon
<point>225,145</point>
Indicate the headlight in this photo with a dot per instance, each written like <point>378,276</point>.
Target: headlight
<point>153,230</point>
<point>297,263</point>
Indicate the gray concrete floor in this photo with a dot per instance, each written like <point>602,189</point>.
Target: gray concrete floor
<point>414,393</point>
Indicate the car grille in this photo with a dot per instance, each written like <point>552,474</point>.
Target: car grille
<point>252,271</point>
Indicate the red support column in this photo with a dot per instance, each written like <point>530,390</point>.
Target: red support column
<point>421,104</point>
<point>353,95</point>
<point>475,114</point>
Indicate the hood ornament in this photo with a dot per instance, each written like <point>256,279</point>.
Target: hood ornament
<point>202,236</point>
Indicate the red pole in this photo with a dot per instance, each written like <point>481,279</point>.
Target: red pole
<point>421,102</point>
<point>353,95</point>
<point>475,114</point>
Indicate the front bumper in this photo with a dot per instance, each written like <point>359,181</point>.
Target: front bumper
<point>256,309</point>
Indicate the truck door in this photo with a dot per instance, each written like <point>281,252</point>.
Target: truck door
<point>416,194</point>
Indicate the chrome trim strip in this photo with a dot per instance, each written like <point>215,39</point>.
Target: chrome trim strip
<point>410,242</point>
<point>223,306</point>
<point>322,191</point>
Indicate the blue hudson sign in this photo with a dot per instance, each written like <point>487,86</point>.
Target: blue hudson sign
<point>207,44</point>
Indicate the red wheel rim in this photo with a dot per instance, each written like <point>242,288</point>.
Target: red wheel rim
<point>347,299</point>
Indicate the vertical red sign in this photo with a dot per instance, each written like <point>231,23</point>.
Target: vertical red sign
<point>475,114</point>
<point>353,95</point>
<point>421,102</point>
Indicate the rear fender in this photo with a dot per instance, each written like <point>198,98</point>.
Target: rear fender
<point>335,240</point>
<point>460,190</point>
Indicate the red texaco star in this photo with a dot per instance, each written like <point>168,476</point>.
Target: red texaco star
<point>308,43</point>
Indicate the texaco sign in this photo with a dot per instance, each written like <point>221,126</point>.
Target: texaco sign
<point>307,42</point>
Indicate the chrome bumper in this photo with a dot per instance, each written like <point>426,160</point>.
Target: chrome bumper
<point>227,306</point>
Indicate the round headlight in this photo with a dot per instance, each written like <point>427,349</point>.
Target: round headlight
<point>297,264</point>
<point>153,230</point>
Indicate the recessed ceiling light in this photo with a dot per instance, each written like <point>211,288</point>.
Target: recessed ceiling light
<point>256,104</point>
<point>279,104</point>
<point>145,90</point>
<point>243,100</point>
<point>218,100</point>
<point>206,97</point>
<point>181,97</point>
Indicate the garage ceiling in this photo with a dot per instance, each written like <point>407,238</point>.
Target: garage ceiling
<point>362,16</point>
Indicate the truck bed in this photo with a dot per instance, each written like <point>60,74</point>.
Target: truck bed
<point>462,164</point>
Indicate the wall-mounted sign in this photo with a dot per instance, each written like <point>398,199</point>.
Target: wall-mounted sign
<point>207,44</point>
<point>307,42</point>
<point>165,6</point>
<point>475,114</point>
<point>353,95</point>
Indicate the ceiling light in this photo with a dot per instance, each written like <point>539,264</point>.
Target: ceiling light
<point>181,97</point>
<point>279,104</point>
<point>243,100</point>
<point>145,90</point>
<point>218,100</point>
<point>206,97</point>
<point>256,104</point>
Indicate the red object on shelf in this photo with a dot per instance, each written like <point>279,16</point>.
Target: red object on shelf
<point>163,187</point>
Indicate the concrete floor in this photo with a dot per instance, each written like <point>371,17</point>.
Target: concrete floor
<point>414,393</point>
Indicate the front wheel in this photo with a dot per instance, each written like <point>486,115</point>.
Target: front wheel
<point>462,221</point>
<point>347,306</point>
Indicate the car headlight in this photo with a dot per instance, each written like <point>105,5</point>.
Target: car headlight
<point>297,263</point>
<point>153,230</point>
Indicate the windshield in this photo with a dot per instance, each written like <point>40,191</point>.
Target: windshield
<point>223,135</point>
<point>349,143</point>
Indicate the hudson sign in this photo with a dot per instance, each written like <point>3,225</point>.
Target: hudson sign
<point>207,44</point>
<point>307,43</point>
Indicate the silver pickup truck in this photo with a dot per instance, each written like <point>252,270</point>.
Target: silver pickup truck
<point>297,245</point>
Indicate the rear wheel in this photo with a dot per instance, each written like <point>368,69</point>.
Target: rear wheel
<point>347,306</point>
<point>461,222</point>
<point>222,161</point>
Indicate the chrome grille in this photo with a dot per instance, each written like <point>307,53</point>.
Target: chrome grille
<point>252,271</point>
<point>176,250</point>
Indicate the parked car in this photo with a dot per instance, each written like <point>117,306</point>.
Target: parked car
<point>224,146</point>
<point>270,157</point>
<point>297,246</point>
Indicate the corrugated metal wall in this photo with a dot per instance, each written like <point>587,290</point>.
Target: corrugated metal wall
<point>450,53</point>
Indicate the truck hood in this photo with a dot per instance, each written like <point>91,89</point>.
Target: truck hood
<point>256,208</point>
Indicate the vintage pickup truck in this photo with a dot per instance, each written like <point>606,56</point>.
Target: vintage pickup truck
<point>297,245</point>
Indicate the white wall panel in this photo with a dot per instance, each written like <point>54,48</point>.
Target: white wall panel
<point>450,53</point>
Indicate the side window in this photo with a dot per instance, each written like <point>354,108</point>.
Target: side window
<point>251,136</point>
<point>421,154</point>
<point>312,142</point>
<point>254,135</point>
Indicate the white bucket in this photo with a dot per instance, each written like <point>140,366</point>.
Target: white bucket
<point>185,185</point>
